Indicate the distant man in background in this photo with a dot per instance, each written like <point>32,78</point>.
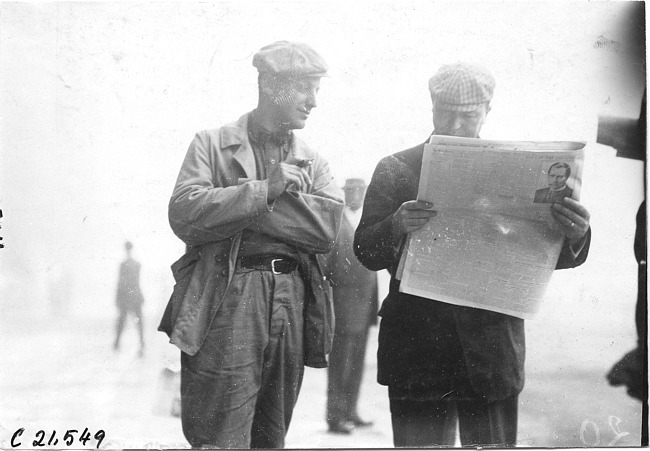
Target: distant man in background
<point>355,294</point>
<point>129,298</point>
<point>444,364</point>
<point>558,174</point>
<point>256,206</point>
<point>632,370</point>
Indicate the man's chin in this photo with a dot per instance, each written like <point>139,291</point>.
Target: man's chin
<point>293,125</point>
<point>297,125</point>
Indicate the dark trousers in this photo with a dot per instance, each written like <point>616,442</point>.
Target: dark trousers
<point>124,312</point>
<point>240,389</point>
<point>344,375</point>
<point>433,423</point>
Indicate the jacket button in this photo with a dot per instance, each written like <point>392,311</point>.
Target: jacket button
<point>218,258</point>
<point>224,272</point>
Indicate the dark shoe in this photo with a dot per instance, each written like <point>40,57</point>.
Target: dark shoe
<point>359,423</point>
<point>341,427</point>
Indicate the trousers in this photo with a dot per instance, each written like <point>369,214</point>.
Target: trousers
<point>426,423</point>
<point>345,372</point>
<point>124,312</point>
<point>240,389</point>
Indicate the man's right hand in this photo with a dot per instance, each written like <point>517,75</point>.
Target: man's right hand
<point>285,175</point>
<point>411,216</point>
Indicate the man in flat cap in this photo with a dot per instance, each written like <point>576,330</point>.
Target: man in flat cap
<point>256,207</point>
<point>447,365</point>
<point>355,292</point>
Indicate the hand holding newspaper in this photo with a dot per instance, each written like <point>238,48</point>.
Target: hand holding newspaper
<point>494,243</point>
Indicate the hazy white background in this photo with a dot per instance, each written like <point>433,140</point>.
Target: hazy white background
<point>99,101</point>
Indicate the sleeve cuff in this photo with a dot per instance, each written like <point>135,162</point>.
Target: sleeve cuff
<point>577,248</point>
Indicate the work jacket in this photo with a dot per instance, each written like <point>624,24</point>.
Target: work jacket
<point>217,196</point>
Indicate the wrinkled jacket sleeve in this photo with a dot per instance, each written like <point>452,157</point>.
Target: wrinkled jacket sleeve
<point>375,244</point>
<point>307,220</point>
<point>199,211</point>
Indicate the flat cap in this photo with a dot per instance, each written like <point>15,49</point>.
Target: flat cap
<point>290,58</point>
<point>353,183</point>
<point>462,86</point>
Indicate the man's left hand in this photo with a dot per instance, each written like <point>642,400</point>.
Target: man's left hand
<point>573,217</point>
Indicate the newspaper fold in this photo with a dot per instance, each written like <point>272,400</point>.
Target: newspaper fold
<point>494,243</point>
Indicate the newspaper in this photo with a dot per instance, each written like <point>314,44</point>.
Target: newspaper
<point>493,243</point>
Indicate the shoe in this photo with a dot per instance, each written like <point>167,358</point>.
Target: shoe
<point>341,427</point>
<point>359,423</point>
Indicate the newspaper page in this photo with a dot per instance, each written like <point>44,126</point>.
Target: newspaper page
<point>494,243</point>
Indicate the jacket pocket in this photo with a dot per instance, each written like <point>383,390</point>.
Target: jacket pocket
<point>182,270</point>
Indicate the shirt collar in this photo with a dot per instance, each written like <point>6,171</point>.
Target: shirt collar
<point>259,135</point>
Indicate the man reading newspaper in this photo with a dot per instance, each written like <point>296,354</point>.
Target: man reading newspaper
<point>447,364</point>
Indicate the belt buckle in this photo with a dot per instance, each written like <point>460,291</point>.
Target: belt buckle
<point>273,270</point>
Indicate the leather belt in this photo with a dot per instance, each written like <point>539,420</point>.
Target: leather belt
<point>277,265</point>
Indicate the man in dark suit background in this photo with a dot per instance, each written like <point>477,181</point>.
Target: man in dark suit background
<point>129,298</point>
<point>355,306</point>
<point>557,189</point>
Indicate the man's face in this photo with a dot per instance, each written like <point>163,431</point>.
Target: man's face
<point>466,124</point>
<point>293,100</point>
<point>557,178</point>
<point>354,197</point>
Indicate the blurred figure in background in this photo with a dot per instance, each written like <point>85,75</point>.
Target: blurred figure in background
<point>355,310</point>
<point>632,369</point>
<point>129,298</point>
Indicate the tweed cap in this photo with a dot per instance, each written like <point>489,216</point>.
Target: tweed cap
<point>461,86</point>
<point>291,59</point>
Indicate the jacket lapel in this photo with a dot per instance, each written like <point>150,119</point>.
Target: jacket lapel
<point>237,134</point>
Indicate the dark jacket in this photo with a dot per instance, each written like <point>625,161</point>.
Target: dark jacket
<point>128,295</point>
<point>450,350</point>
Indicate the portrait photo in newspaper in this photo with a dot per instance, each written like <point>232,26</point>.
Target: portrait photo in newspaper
<point>559,187</point>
